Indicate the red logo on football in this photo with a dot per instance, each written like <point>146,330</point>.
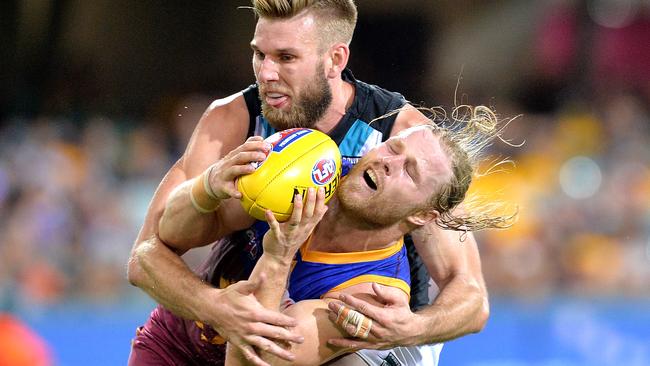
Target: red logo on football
<point>323,171</point>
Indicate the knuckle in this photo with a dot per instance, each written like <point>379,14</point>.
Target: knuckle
<point>249,327</point>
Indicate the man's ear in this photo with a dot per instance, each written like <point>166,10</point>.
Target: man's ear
<point>339,55</point>
<point>423,217</point>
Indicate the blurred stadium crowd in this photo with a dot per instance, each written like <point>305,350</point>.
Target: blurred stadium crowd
<point>582,183</point>
<point>72,197</point>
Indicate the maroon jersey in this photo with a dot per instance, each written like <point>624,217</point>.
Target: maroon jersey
<point>166,339</point>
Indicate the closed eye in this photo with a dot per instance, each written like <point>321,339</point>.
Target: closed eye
<point>393,146</point>
<point>396,147</point>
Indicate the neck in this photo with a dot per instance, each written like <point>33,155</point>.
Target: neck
<point>342,98</point>
<point>338,231</point>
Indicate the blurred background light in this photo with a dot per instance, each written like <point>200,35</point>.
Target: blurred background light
<point>580,177</point>
<point>614,13</point>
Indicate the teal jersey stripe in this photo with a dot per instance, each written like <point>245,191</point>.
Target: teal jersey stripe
<point>263,128</point>
<point>359,139</point>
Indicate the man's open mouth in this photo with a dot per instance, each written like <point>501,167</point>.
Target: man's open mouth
<point>275,99</point>
<point>370,178</point>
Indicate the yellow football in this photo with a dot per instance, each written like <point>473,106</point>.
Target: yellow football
<point>300,158</point>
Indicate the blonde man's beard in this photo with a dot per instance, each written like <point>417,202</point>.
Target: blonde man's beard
<point>306,109</point>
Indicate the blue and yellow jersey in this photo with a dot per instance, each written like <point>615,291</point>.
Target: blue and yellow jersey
<point>316,273</point>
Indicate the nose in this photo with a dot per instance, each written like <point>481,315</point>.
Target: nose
<point>268,71</point>
<point>391,162</point>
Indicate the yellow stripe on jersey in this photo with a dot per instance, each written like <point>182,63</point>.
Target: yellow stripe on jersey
<point>349,257</point>
<point>388,281</point>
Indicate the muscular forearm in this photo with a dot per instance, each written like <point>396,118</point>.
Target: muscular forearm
<point>198,211</point>
<point>276,273</point>
<point>182,225</point>
<point>461,308</point>
<point>454,263</point>
<point>157,265</point>
<point>283,241</point>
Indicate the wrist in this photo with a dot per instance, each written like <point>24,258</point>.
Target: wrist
<point>427,327</point>
<point>205,299</point>
<point>207,175</point>
<point>278,260</point>
<point>419,333</point>
<point>201,194</point>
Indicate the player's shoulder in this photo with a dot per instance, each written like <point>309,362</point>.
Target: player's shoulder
<point>408,117</point>
<point>223,126</point>
<point>232,107</point>
<point>382,93</point>
<point>379,98</point>
<point>227,118</point>
<point>386,102</point>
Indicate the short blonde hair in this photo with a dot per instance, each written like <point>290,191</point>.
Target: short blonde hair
<point>336,18</point>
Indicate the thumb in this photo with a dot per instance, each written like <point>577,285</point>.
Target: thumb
<point>386,294</point>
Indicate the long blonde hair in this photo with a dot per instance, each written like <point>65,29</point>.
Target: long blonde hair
<point>465,134</point>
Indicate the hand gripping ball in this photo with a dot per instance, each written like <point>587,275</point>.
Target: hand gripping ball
<point>300,158</point>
